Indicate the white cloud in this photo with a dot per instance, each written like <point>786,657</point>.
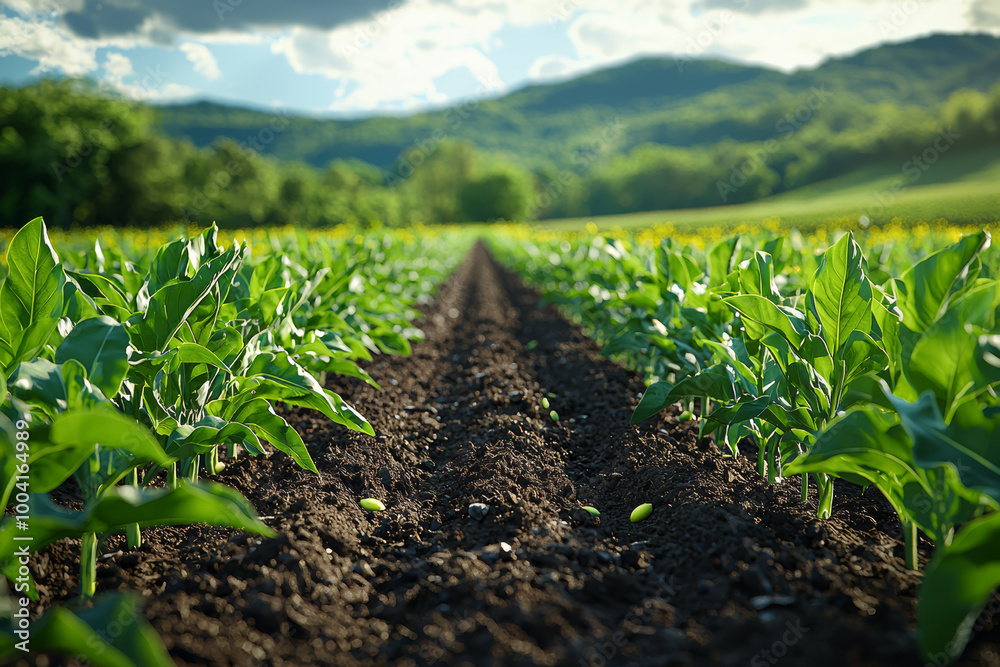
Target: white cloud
<point>985,14</point>
<point>393,60</point>
<point>142,91</point>
<point>37,9</point>
<point>118,67</point>
<point>204,61</point>
<point>554,66</point>
<point>789,35</point>
<point>50,47</point>
<point>39,37</point>
<point>151,87</point>
<point>612,37</point>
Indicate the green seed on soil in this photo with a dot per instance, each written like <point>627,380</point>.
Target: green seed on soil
<point>532,344</point>
<point>551,395</point>
<point>641,512</point>
<point>372,504</point>
<point>554,415</point>
<point>545,403</point>
<point>686,416</point>
<point>592,510</point>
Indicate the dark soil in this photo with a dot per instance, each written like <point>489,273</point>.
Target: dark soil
<point>727,570</point>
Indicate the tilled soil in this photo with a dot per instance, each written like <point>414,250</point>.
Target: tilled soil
<point>727,570</point>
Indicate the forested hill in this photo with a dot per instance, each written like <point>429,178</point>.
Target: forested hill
<point>677,102</point>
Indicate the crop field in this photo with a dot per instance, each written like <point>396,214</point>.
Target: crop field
<point>501,445</point>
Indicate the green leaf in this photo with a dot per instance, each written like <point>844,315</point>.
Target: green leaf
<point>715,382</point>
<point>972,449</point>
<point>871,445</point>
<point>756,276</point>
<point>745,409</point>
<point>944,359</point>
<point>889,324</point>
<point>266,424</point>
<point>814,351</point>
<point>169,264</point>
<point>109,429</point>
<point>31,296</point>
<point>105,293</point>
<point>198,354</point>
<point>391,342</point>
<point>101,345</point>
<point>77,305</point>
<point>187,441</point>
<point>761,316</point>
<point>40,383</point>
<point>120,506</point>
<point>728,355</point>
<point>53,464</point>
<point>188,309</point>
<point>862,355</point>
<point>33,289</point>
<point>227,344</point>
<point>923,290</point>
<point>278,377</point>
<point>721,258</point>
<point>957,583</point>
<point>841,294</point>
<point>85,634</point>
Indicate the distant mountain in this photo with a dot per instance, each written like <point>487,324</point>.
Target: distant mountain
<point>661,100</point>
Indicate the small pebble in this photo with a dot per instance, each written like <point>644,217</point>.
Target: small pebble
<point>478,511</point>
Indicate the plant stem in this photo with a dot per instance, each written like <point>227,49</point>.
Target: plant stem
<point>212,463</point>
<point>172,475</point>
<point>761,457</point>
<point>133,536</point>
<point>701,417</point>
<point>910,544</point>
<point>88,565</point>
<point>772,469</point>
<point>232,450</point>
<point>805,487</point>
<point>825,501</point>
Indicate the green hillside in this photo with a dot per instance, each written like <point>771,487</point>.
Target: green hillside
<point>962,189</point>
<point>651,135</point>
<point>682,103</point>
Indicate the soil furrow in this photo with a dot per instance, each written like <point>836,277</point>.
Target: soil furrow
<point>728,570</point>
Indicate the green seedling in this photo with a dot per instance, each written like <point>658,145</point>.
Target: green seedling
<point>372,504</point>
<point>592,510</point>
<point>554,415</point>
<point>641,512</point>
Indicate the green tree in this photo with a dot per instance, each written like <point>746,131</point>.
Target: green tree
<point>503,193</point>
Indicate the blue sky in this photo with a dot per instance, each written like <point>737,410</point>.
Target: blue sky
<point>363,57</point>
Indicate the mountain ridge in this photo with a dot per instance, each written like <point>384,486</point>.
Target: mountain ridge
<point>681,103</point>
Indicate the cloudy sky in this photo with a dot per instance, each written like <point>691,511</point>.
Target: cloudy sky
<point>359,57</point>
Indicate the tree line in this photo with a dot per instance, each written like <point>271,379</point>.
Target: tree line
<point>75,155</point>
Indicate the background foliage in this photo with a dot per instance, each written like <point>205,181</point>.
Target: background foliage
<point>653,134</point>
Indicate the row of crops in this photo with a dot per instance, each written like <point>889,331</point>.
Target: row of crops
<point>135,370</point>
<point>874,365</point>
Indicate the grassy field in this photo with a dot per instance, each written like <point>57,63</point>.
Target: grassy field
<point>961,188</point>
